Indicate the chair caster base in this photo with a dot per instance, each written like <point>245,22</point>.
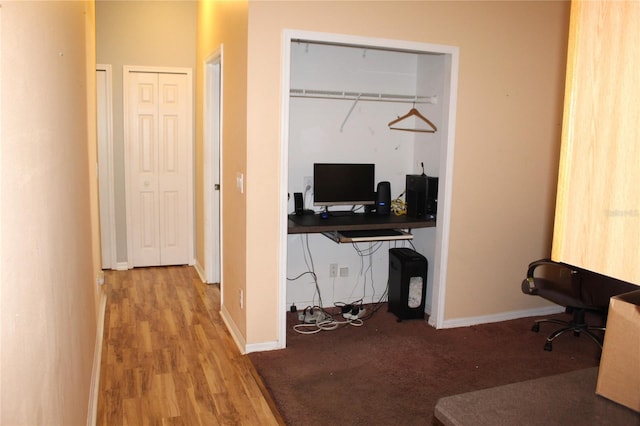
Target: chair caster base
<point>535,327</point>
<point>548,347</point>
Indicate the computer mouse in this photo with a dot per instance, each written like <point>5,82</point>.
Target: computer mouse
<point>324,215</point>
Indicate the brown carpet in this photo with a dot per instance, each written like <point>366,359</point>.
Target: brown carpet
<point>393,373</point>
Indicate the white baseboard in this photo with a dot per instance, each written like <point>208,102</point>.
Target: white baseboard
<point>122,266</point>
<point>261,347</point>
<point>94,391</point>
<point>451,323</point>
<point>503,316</point>
<point>239,339</point>
<point>200,271</point>
<point>233,330</point>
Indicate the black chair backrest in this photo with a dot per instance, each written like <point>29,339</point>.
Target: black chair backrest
<point>597,289</point>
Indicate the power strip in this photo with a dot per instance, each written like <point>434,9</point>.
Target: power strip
<point>351,316</point>
<point>312,317</point>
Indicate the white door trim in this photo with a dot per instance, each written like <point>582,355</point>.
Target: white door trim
<point>126,70</point>
<point>106,175</point>
<point>213,165</point>
<point>446,161</point>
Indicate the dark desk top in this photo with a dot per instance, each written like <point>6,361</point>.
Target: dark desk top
<point>314,223</point>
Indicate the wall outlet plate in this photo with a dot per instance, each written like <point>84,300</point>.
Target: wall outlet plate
<point>333,270</point>
<point>308,184</point>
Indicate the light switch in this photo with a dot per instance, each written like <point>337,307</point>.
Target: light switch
<point>240,182</point>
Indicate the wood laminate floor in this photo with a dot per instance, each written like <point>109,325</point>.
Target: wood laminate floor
<point>167,357</point>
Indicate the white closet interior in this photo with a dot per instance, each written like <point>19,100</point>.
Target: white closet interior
<point>342,99</point>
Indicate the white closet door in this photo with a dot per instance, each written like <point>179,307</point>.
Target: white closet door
<point>173,169</point>
<point>158,166</point>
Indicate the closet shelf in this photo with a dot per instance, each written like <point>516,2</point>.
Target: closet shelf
<point>362,96</point>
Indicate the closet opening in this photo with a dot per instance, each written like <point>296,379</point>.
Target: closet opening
<point>349,99</point>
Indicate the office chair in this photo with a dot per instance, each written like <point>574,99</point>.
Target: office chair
<point>580,291</point>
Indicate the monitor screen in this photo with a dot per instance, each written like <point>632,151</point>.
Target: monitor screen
<point>343,184</point>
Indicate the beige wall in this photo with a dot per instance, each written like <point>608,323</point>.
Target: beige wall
<point>92,148</point>
<point>147,33</point>
<point>47,266</point>
<point>225,24</point>
<point>511,79</point>
<point>512,61</point>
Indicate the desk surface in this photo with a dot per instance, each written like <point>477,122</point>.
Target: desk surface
<point>314,223</point>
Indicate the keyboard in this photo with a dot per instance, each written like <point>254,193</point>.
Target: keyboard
<point>373,235</point>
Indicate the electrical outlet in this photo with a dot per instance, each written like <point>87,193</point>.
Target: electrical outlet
<point>333,270</point>
<point>344,272</point>
<point>308,183</point>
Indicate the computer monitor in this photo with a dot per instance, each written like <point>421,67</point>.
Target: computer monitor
<point>336,184</point>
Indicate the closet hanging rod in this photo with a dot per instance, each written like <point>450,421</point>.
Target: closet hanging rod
<point>361,96</point>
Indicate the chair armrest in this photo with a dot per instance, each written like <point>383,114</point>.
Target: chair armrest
<point>535,264</point>
<point>569,286</point>
<point>582,289</point>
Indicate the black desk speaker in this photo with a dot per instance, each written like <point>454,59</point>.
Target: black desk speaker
<point>383,198</point>
<point>298,202</point>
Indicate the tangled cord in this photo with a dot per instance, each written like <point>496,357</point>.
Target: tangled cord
<point>327,324</point>
<point>399,206</point>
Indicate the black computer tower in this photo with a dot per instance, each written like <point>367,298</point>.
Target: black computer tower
<point>407,283</point>
<point>421,195</point>
<point>432,195</point>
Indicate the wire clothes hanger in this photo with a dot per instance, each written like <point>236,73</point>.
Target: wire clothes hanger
<point>413,112</point>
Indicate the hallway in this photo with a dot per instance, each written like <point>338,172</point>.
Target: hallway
<point>167,357</point>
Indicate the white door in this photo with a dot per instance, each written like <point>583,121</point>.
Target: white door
<point>159,166</point>
<point>212,165</point>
